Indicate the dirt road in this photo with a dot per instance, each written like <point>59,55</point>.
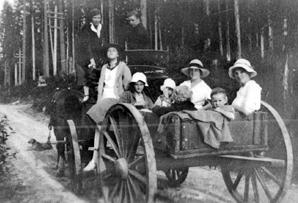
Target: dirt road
<point>30,175</point>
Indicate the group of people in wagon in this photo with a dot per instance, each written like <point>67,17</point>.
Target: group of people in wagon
<point>117,84</point>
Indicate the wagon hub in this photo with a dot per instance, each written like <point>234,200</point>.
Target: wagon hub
<point>121,168</point>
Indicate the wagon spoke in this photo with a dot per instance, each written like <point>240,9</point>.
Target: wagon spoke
<point>255,188</point>
<point>125,193</point>
<point>110,140</point>
<point>246,189</point>
<point>115,189</point>
<point>129,190</point>
<point>237,181</point>
<point>264,186</point>
<point>138,176</point>
<point>271,176</point>
<point>108,157</point>
<point>133,187</point>
<point>120,196</point>
<point>136,161</point>
<point>117,135</point>
<point>133,147</point>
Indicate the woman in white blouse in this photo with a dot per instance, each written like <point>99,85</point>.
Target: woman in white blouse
<point>201,91</point>
<point>248,97</point>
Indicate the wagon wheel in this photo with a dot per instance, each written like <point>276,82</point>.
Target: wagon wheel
<point>74,158</point>
<point>126,163</point>
<point>267,183</point>
<point>176,176</point>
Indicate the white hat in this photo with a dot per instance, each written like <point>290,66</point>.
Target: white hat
<point>168,83</point>
<point>196,64</point>
<point>245,64</point>
<point>138,76</point>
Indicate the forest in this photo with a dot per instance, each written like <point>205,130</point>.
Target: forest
<point>38,39</point>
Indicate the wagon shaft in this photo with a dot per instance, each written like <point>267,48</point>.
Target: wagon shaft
<point>238,162</point>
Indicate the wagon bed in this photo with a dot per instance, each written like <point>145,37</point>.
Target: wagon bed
<point>256,167</point>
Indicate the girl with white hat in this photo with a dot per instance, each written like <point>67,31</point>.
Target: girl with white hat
<point>136,95</point>
<point>166,98</point>
<point>248,97</point>
<point>201,91</point>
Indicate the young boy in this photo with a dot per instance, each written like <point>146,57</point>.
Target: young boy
<point>219,102</point>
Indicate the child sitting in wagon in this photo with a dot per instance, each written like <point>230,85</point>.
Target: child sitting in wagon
<point>181,101</point>
<point>166,99</point>
<point>219,100</point>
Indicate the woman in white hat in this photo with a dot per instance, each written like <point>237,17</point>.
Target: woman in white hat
<point>166,98</point>
<point>136,95</point>
<point>248,97</point>
<point>201,91</point>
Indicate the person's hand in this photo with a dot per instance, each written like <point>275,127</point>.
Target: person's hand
<point>86,97</point>
<point>92,63</point>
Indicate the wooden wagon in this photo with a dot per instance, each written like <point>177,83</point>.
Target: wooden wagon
<point>256,167</point>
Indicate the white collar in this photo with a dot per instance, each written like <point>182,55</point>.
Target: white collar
<point>97,31</point>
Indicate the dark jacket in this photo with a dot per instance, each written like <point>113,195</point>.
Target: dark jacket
<point>186,105</point>
<point>128,97</point>
<point>137,38</point>
<point>89,46</point>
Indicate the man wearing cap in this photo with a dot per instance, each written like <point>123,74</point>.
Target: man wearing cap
<point>137,36</point>
<point>201,91</point>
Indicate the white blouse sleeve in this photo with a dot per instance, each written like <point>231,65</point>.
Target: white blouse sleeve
<point>248,99</point>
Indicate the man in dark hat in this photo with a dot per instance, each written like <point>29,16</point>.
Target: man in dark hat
<point>90,56</point>
<point>137,36</point>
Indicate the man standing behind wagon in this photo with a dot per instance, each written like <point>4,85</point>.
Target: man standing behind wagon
<point>137,36</point>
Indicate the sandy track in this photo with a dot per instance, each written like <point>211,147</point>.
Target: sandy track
<point>30,165</point>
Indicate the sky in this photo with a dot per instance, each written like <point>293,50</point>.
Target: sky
<point>2,2</point>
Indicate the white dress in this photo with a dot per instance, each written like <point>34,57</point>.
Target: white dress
<point>248,98</point>
<point>200,93</point>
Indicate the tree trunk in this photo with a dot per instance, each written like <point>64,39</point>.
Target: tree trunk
<point>237,26</point>
<point>262,43</point>
<point>111,22</point>
<point>73,34</point>
<point>24,44</point>
<point>46,71</point>
<point>33,48</point>
<point>55,41</point>
<point>143,4</point>
<point>220,30</point>
<point>62,37</point>
<point>228,46</point>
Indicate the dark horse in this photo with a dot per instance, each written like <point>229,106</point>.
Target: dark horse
<point>66,105</point>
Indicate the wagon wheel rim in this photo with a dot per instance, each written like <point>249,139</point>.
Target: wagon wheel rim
<point>126,163</point>
<point>269,182</point>
<point>176,176</point>
<point>74,158</point>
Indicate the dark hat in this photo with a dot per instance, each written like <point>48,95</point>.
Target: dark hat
<point>94,12</point>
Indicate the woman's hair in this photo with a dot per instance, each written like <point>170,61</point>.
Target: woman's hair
<point>135,12</point>
<point>243,70</point>
<point>93,12</point>
<point>131,86</point>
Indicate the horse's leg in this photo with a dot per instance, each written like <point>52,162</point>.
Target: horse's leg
<point>60,134</point>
